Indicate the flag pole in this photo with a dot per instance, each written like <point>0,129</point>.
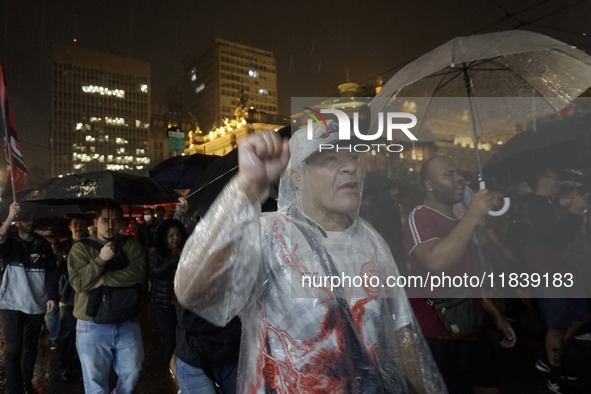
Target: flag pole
<point>8,139</point>
<point>10,164</point>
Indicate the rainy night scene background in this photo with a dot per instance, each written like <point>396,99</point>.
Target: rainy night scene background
<point>155,96</point>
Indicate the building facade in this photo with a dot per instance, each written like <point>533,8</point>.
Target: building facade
<point>226,76</point>
<point>223,139</point>
<point>165,117</point>
<point>100,112</point>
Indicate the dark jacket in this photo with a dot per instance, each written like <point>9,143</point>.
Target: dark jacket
<point>30,277</point>
<point>162,270</point>
<point>204,345</point>
<point>67,293</point>
<point>542,225</point>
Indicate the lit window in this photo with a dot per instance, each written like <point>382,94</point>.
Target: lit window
<point>91,89</point>
<point>114,121</point>
<point>144,88</point>
<point>200,88</point>
<point>264,92</point>
<point>193,77</point>
<point>253,73</point>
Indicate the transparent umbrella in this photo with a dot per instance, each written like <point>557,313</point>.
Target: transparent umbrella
<point>481,84</point>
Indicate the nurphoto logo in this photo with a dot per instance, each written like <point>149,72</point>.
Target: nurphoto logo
<point>395,121</point>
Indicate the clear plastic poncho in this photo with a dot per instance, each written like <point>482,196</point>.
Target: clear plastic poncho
<point>304,338</point>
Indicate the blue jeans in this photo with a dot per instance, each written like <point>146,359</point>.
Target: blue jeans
<point>102,346</point>
<point>193,380</point>
<point>53,324</point>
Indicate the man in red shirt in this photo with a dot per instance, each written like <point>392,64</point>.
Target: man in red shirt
<point>438,242</point>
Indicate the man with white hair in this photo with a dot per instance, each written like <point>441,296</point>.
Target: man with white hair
<point>303,331</point>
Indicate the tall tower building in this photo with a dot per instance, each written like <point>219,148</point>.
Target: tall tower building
<point>225,76</point>
<point>100,112</point>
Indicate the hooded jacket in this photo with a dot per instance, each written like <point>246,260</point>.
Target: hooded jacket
<point>30,276</point>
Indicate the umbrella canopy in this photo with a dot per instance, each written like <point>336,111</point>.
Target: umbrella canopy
<point>35,211</point>
<point>100,186</point>
<point>213,180</point>
<point>181,172</point>
<point>561,144</point>
<point>475,85</point>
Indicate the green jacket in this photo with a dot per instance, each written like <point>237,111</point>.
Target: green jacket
<point>85,267</point>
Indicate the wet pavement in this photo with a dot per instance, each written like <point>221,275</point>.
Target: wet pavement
<point>154,378</point>
<point>516,366</point>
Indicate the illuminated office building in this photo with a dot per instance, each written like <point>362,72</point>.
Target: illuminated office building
<point>225,76</point>
<point>100,112</point>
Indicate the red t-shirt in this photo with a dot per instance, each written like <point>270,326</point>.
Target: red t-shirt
<point>426,224</point>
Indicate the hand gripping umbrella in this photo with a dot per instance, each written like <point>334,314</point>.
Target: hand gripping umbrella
<point>497,80</point>
<point>36,211</point>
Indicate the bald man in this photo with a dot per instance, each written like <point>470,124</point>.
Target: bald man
<point>437,241</point>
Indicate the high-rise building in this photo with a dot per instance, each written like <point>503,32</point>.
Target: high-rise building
<point>100,112</point>
<point>165,117</point>
<point>225,76</point>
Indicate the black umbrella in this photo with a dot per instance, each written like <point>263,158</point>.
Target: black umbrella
<point>35,211</point>
<point>561,144</point>
<point>100,186</point>
<point>215,177</point>
<point>181,172</point>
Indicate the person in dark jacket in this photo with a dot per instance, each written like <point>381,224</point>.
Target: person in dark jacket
<point>69,362</point>
<point>164,258</point>
<point>548,225</point>
<point>206,355</point>
<point>29,290</point>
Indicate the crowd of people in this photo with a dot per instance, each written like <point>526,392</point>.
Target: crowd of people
<point>232,298</point>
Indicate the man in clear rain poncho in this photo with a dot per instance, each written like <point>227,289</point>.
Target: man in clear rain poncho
<point>301,334</point>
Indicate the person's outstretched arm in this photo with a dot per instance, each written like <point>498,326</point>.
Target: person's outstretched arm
<point>221,259</point>
<point>441,254</point>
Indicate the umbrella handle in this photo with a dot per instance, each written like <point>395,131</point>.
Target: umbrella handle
<point>506,203</point>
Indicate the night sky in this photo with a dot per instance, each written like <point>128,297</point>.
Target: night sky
<point>316,43</point>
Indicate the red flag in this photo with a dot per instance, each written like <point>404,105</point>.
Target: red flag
<point>17,167</point>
